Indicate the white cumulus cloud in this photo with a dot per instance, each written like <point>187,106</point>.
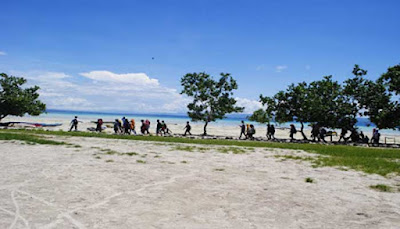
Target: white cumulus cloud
<point>139,79</point>
<point>108,91</point>
<point>2,53</point>
<point>249,105</point>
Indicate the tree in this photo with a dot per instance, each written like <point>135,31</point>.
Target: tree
<point>321,102</point>
<point>329,106</point>
<point>18,101</point>
<point>286,106</point>
<point>391,79</point>
<point>212,99</point>
<point>373,98</point>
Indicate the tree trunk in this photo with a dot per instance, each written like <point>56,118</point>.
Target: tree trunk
<point>205,129</point>
<point>302,132</point>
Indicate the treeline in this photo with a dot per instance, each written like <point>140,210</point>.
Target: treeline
<point>328,103</point>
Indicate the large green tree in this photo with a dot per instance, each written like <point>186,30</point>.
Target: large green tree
<point>374,98</point>
<point>212,99</point>
<point>18,101</point>
<point>285,106</point>
<point>321,102</point>
<point>391,79</point>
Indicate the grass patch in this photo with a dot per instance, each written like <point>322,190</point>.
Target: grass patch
<point>381,161</point>
<point>28,138</point>
<point>184,148</point>
<point>382,188</point>
<point>131,154</point>
<point>184,162</point>
<point>219,170</point>
<point>111,152</point>
<point>292,157</point>
<point>309,180</point>
<point>97,157</point>
<point>157,156</point>
<point>234,150</point>
<point>109,160</point>
<point>141,161</point>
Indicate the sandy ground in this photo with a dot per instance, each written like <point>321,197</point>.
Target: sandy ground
<point>44,186</point>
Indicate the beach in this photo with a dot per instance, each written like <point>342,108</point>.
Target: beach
<point>113,183</point>
<point>223,128</point>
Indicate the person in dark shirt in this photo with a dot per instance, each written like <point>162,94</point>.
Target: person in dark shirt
<point>268,131</point>
<point>187,129</point>
<point>99,124</point>
<point>127,127</point>
<point>292,132</point>
<point>74,124</point>
<point>158,127</point>
<point>117,126</point>
<point>272,132</point>
<point>242,130</point>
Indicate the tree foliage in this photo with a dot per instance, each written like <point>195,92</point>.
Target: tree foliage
<point>212,99</point>
<point>331,104</point>
<point>18,101</point>
<point>374,98</point>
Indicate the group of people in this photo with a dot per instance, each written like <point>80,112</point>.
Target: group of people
<point>247,130</point>
<point>317,134</point>
<point>125,126</point>
<point>359,137</point>
<point>162,128</point>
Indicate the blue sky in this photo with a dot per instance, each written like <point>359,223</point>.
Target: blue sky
<point>97,55</point>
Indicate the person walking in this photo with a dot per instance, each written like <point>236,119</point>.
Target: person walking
<point>143,127</point>
<point>164,128</point>
<point>375,137</point>
<point>127,127</point>
<point>117,126</point>
<point>322,134</point>
<point>133,126</point>
<point>268,131</point>
<point>187,129</point>
<point>251,131</point>
<point>343,134</point>
<point>158,127</point>
<point>242,130</point>
<point>293,131</point>
<point>315,132</point>
<point>272,132</point>
<point>99,125</point>
<point>147,122</point>
<point>74,124</point>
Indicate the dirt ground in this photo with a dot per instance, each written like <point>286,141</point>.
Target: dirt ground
<point>162,185</point>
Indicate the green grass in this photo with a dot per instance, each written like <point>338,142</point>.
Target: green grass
<point>184,148</point>
<point>234,150</point>
<point>370,160</point>
<point>141,161</point>
<point>219,170</point>
<point>382,188</point>
<point>29,139</point>
<point>109,160</point>
<point>131,154</point>
<point>184,162</point>
<point>309,180</point>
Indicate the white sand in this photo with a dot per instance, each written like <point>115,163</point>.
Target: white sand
<point>43,186</point>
